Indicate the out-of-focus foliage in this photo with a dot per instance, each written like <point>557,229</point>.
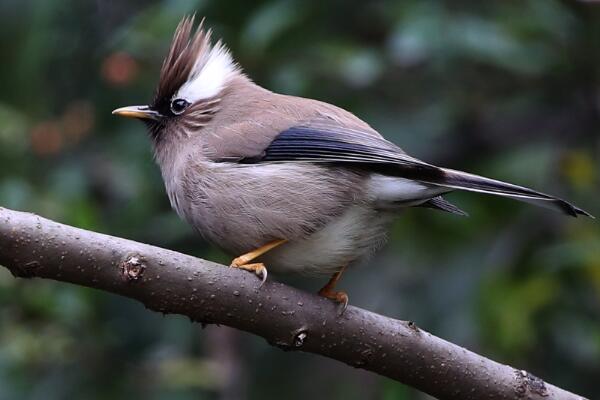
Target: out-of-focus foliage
<point>509,89</point>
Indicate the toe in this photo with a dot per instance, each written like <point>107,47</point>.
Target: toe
<point>236,263</point>
<point>338,297</point>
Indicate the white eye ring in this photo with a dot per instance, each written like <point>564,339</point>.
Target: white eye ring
<point>178,106</point>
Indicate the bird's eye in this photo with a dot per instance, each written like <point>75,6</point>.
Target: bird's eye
<point>178,106</point>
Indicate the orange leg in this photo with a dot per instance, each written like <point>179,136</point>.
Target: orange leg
<point>328,291</point>
<point>243,261</point>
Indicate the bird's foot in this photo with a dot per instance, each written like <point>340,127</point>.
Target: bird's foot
<point>339,297</point>
<point>258,268</point>
<point>328,291</point>
<point>243,261</point>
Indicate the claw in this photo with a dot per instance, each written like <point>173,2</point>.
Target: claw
<point>258,268</point>
<point>339,297</point>
<point>342,298</point>
<point>261,272</point>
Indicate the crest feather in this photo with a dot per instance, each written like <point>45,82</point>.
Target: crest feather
<point>194,69</point>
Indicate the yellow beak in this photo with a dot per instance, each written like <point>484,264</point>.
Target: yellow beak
<point>140,112</point>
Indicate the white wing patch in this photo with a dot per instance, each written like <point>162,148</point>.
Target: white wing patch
<point>210,74</point>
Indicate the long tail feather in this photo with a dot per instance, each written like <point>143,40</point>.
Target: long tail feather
<point>474,183</point>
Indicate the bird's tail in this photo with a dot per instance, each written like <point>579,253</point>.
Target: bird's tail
<point>459,180</point>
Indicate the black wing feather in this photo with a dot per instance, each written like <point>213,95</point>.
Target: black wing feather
<point>324,143</point>
<point>439,203</point>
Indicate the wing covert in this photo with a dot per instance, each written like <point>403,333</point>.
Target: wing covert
<point>325,141</point>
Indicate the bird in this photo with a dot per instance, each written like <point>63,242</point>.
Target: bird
<point>285,183</point>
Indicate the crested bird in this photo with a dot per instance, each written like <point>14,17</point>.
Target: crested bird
<point>291,183</point>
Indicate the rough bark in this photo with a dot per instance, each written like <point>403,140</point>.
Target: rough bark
<point>170,282</point>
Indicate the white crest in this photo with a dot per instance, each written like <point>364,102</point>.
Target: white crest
<point>211,71</point>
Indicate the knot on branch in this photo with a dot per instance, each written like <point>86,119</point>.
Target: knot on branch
<point>530,384</point>
<point>412,326</point>
<point>299,338</point>
<point>26,270</point>
<point>295,341</point>
<point>133,268</point>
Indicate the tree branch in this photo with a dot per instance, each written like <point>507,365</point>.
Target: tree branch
<point>170,282</point>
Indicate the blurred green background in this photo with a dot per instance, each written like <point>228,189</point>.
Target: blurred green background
<point>509,89</point>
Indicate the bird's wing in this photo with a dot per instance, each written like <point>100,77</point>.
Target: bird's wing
<point>328,141</point>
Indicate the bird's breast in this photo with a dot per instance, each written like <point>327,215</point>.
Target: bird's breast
<point>242,207</point>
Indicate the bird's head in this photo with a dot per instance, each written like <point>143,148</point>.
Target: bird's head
<point>192,80</point>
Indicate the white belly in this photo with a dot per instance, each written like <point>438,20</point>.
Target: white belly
<point>354,235</point>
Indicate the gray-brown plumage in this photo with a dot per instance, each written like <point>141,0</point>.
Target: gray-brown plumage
<point>246,166</point>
